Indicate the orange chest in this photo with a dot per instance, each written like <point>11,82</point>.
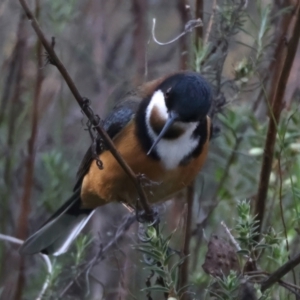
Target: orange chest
<point>112,184</point>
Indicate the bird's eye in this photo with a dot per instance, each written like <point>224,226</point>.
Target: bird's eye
<point>167,93</point>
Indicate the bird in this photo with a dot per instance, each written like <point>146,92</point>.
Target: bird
<point>162,130</point>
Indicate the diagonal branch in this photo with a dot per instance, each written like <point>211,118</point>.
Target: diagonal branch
<point>124,227</point>
<point>87,109</point>
<point>280,272</point>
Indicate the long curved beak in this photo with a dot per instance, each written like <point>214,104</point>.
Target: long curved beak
<point>171,119</point>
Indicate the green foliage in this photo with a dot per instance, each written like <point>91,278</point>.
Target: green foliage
<point>158,257</point>
<point>226,288</point>
<point>65,269</point>
<point>62,12</point>
<point>82,243</point>
<point>201,52</point>
<point>249,66</point>
<point>231,18</point>
<point>57,177</point>
<point>263,30</point>
<point>267,251</point>
<point>246,227</point>
<point>209,58</point>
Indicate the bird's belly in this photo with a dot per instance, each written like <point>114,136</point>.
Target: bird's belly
<point>112,184</point>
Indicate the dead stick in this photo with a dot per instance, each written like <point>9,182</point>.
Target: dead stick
<point>86,109</point>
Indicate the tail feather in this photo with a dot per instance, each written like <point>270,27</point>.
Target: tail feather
<point>57,234</point>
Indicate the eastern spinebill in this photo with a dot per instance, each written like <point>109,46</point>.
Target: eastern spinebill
<point>161,130</point>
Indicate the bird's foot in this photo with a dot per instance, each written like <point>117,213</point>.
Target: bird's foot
<point>152,218</point>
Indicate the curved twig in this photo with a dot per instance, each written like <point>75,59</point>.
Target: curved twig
<point>46,259</point>
<point>188,28</point>
<point>210,23</point>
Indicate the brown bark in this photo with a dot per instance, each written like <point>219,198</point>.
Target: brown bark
<point>11,265</point>
<point>284,58</point>
<point>22,223</point>
<point>139,12</point>
<point>199,15</point>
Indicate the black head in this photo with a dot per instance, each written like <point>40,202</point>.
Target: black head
<point>188,95</point>
<point>187,98</point>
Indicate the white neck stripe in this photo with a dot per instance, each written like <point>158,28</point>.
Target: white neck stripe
<point>171,152</point>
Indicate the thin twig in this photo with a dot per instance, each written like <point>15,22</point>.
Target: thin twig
<point>46,259</point>
<point>184,13</point>
<point>130,219</point>
<point>289,286</point>
<point>231,237</point>
<point>184,268</point>
<point>215,200</point>
<point>199,15</point>
<point>188,28</point>
<point>139,9</point>
<point>13,113</point>
<point>87,110</point>
<point>8,86</point>
<point>282,214</point>
<point>210,22</point>
<point>28,180</point>
<point>13,288</point>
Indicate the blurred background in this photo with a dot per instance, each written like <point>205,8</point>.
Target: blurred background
<point>108,49</point>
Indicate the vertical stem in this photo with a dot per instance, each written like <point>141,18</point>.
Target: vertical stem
<point>10,266</point>
<point>14,101</point>
<point>22,223</point>
<point>8,87</point>
<point>139,11</point>
<point>285,57</point>
<point>29,173</point>
<point>214,200</point>
<point>184,269</point>
<point>183,10</point>
<point>199,15</point>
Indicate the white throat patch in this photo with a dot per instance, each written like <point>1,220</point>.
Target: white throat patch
<point>171,152</point>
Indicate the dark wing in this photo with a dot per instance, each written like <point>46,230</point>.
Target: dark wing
<point>116,120</point>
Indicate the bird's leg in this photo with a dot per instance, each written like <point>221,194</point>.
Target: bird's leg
<point>146,182</point>
<point>142,216</point>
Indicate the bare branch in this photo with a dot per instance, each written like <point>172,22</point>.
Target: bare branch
<point>199,14</point>
<point>87,110</point>
<point>210,23</point>
<point>129,220</point>
<point>188,28</point>
<point>231,237</point>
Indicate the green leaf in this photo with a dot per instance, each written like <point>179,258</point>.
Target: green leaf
<point>159,271</point>
<point>156,288</point>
